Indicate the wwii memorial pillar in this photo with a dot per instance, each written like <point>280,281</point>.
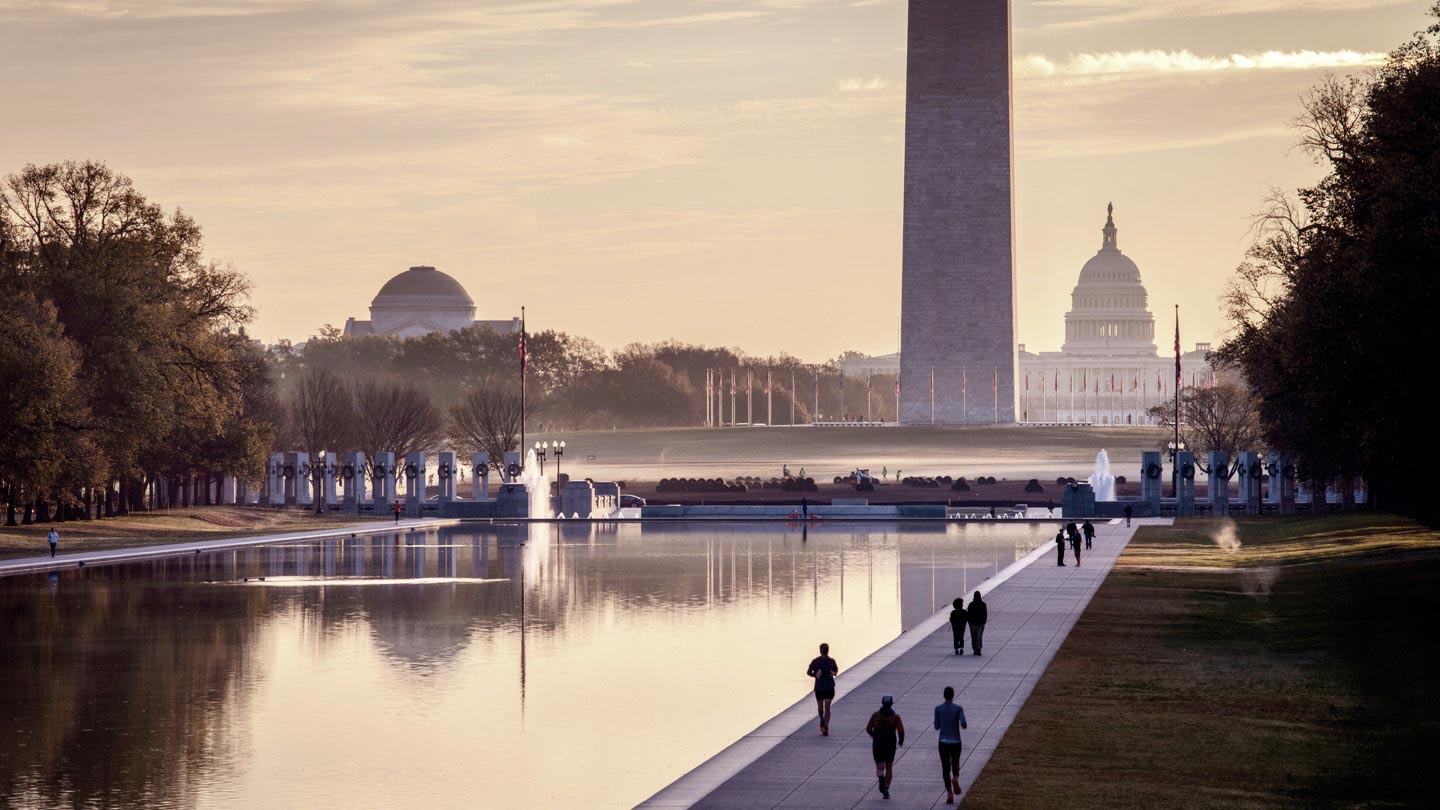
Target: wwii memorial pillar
<point>957,297</point>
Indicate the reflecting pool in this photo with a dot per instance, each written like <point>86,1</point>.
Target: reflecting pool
<point>477,666</point>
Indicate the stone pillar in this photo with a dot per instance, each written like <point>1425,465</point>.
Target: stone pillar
<point>332,466</point>
<point>577,499</point>
<point>481,482</point>
<point>291,472</point>
<point>445,473</point>
<point>384,482</point>
<point>1151,481</point>
<point>1249,474</point>
<point>1347,493</point>
<point>1281,495</point>
<point>303,480</point>
<point>1219,482</point>
<point>512,462</point>
<point>230,491</point>
<point>275,480</point>
<point>352,476</point>
<point>1185,483</point>
<point>415,483</point>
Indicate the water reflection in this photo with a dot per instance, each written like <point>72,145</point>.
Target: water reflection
<point>494,666</point>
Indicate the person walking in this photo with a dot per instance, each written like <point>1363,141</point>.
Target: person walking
<point>957,625</point>
<point>978,614</point>
<point>1060,547</point>
<point>887,732</point>
<point>54,538</point>
<point>396,507</point>
<point>804,507</point>
<point>824,669</point>
<point>1050,506</point>
<point>949,719</point>
<point>1129,512</point>
<point>1089,529</point>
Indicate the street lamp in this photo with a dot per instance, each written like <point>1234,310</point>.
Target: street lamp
<point>540,449</point>
<point>559,451</point>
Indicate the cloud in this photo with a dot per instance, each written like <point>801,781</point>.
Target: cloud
<point>1103,12</point>
<point>858,85</point>
<point>1157,62</point>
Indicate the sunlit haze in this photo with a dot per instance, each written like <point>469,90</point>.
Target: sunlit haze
<point>717,171</point>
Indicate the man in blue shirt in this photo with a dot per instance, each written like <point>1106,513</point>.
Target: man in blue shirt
<point>949,719</point>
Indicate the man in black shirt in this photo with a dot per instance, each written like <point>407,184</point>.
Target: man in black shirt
<point>979,613</point>
<point>957,625</point>
<point>824,669</point>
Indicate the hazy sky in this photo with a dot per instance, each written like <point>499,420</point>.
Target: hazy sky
<point>718,171</point>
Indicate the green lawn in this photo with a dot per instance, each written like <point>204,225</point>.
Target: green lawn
<point>1300,668</point>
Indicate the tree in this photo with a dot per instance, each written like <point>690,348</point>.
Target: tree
<point>396,417</point>
<point>1221,417</point>
<point>487,420</point>
<point>321,410</point>
<point>1334,308</point>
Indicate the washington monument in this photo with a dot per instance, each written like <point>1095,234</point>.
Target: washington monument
<point>957,301</point>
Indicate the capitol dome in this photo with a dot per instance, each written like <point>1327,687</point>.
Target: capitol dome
<point>1109,307</point>
<point>421,301</point>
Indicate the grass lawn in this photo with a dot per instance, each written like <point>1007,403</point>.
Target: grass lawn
<point>1288,663</point>
<point>170,526</point>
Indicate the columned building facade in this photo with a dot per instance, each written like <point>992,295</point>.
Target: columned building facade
<point>1109,371</point>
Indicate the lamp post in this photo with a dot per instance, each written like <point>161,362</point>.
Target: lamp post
<point>559,451</point>
<point>540,448</point>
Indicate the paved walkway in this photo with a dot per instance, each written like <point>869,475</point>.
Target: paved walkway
<point>75,559</point>
<point>787,764</point>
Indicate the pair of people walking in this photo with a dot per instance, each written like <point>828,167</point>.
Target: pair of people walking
<point>974,618</point>
<point>887,734</point>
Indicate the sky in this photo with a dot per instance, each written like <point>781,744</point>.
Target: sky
<point>724,172</point>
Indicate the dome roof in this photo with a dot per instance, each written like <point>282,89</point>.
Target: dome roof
<point>1109,265</point>
<point>425,281</point>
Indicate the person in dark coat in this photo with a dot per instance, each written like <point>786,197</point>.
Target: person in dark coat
<point>1075,542</point>
<point>886,732</point>
<point>1089,529</point>
<point>1129,512</point>
<point>1060,548</point>
<point>957,625</point>
<point>978,614</point>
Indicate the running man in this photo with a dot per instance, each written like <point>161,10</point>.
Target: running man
<point>886,733</point>
<point>824,669</point>
<point>949,719</point>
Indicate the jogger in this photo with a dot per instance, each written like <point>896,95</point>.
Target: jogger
<point>824,669</point>
<point>949,719</point>
<point>886,733</point>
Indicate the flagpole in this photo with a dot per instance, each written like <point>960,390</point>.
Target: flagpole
<point>792,396</point>
<point>523,364</point>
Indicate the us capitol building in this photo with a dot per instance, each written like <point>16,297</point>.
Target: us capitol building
<point>1108,371</point>
<point>420,301</point>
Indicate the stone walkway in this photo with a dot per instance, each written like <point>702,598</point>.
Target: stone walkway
<point>787,764</point>
<point>75,559</point>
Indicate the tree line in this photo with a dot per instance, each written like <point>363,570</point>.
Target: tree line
<point>1334,309</point>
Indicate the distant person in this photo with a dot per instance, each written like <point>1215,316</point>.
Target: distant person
<point>54,538</point>
<point>1075,542</point>
<point>802,473</point>
<point>824,669</point>
<point>1050,505</point>
<point>884,472</point>
<point>992,513</point>
<point>978,614</point>
<point>957,625</point>
<point>1060,548</point>
<point>1129,513</point>
<point>1089,529</point>
<point>784,470</point>
<point>396,507</point>
<point>949,719</point>
<point>887,732</point>
<point>805,507</point>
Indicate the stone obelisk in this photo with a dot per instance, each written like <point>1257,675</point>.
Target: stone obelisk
<point>957,307</point>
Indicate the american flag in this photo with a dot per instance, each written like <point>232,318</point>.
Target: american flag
<point>524,363</point>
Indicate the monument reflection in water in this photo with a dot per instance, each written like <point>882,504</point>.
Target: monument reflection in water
<point>495,666</point>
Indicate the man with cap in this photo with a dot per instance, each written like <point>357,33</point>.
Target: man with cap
<point>886,732</point>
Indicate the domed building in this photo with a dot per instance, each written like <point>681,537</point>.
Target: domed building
<point>420,301</point>
<point>1109,370</point>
